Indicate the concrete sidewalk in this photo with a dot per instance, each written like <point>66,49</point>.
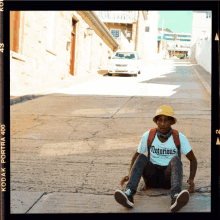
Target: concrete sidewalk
<point>76,166</point>
<point>45,89</point>
<point>203,75</point>
<point>39,91</point>
<point>39,202</point>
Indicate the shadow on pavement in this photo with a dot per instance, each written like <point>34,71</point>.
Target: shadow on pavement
<point>20,99</point>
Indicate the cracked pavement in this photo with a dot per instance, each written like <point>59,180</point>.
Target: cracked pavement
<point>83,144</point>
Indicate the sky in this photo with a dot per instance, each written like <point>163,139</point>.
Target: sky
<point>181,21</point>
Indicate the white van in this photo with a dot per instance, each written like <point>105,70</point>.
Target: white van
<point>125,62</point>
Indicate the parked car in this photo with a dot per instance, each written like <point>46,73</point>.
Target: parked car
<point>125,62</point>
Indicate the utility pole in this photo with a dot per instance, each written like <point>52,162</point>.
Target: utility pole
<point>175,37</point>
<point>161,37</point>
<point>137,32</point>
<point>162,34</point>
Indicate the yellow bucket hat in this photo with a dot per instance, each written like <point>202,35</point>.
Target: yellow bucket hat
<point>167,111</point>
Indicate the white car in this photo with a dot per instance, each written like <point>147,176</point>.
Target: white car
<point>125,62</point>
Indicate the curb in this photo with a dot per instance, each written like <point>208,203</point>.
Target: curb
<point>23,98</point>
<point>204,83</point>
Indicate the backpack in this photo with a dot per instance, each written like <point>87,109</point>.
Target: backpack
<point>175,137</point>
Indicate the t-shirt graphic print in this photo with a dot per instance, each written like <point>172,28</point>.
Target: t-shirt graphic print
<point>162,153</point>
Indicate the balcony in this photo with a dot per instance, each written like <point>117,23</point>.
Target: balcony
<point>117,16</point>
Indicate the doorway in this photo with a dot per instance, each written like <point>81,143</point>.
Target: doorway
<point>14,30</point>
<point>73,43</point>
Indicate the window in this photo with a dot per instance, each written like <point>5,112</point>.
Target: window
<point>124,55</point>
<point>208,14</point>
<point>147,29</point>
<point>115,33</point>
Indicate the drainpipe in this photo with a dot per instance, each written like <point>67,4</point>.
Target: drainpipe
<point>137,32</point>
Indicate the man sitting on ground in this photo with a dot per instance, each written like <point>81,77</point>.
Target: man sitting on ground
<point>162,167</point>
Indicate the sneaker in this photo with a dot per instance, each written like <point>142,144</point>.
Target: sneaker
<point>124,198</point>
<point>179,201</point>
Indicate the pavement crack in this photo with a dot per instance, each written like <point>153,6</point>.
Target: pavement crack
<point>35,202</point>
<point>72,127</point>
<point>81,187</point>
<point>122,106</point>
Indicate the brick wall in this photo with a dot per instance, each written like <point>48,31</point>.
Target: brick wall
<point>43,56</point>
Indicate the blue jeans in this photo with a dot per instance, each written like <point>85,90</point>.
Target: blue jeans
<point>155,176</point>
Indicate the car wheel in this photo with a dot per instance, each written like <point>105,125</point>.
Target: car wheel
<point>136,75</point>
<point>110,74</point>
<point>139,72</point>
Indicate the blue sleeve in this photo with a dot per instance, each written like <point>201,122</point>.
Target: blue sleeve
<point>143,143</point>
<point>185,147</point>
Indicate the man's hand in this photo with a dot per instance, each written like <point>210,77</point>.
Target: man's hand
<point>191,185</point>
<point>124,179</point>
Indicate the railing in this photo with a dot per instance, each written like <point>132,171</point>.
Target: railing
<point>118,15</point>
<point>180,44</point>
<point>185,44</point>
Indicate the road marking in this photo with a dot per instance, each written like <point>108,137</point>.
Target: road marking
<point>201,87</point>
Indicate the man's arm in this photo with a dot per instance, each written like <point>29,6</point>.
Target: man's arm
<point>193,167</point>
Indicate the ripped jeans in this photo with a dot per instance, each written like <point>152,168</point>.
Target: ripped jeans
<point>155,176</point>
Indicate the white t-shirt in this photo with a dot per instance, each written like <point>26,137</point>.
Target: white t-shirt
<point>162,153</point>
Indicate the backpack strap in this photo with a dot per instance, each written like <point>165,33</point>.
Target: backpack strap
<point>177,141</point>
<point>150,139</point>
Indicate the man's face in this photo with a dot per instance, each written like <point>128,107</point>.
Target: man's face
<point>163,123</point>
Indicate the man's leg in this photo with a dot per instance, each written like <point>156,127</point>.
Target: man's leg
<point>174,171</point>
<point>126,198</point>
<point>179,198</point>
<point>141,167</point>
<point>151,175</point>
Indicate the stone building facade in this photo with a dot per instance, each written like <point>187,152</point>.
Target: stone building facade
<point>49,46</point>
<point>130,27</point>
<point>140,35</point>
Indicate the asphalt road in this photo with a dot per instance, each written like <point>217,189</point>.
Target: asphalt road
<point>81,139</point>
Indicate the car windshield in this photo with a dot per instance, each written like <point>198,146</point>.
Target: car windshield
<point>124,55</point>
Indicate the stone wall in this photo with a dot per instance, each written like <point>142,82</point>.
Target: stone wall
<point>140,37</point>
<point>43,56</point>
<point>100,48</point>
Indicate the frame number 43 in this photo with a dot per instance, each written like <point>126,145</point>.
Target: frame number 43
<point>218,141</point>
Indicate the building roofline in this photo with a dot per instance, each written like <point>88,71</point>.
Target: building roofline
<point>101,27</point>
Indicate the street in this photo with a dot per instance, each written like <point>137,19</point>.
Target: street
<point>81,139</point>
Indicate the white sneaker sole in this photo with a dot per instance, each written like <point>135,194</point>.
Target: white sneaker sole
<point>181,200</point>
<point>122,199</point>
